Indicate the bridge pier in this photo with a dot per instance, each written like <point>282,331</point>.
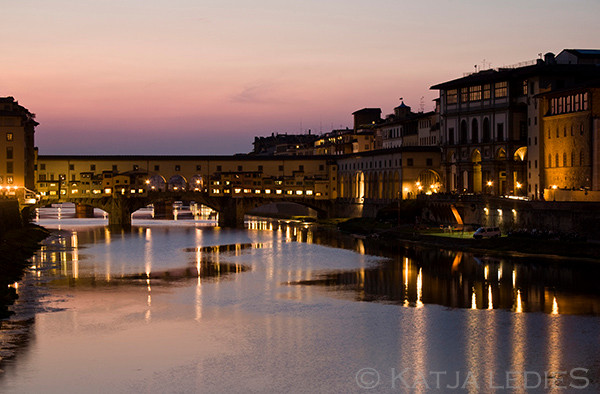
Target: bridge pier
<point>119,213</point>
<point>232,213</point>
<point>83,211</point>
<point>163,210</point>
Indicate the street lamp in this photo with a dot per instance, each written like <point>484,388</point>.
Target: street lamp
<point>489,185</point>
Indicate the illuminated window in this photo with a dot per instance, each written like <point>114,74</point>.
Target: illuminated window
<point>500,89</point>
<point>309,192</point>
<point>475,93</point>
<point>487,91</point>
<point>451,96</point>
<point>9,136</point>
<point>525,87</point>
<point>464,95</point>
<point>10,180</point>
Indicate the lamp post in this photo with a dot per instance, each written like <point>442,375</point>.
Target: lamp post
<point>489,185</point>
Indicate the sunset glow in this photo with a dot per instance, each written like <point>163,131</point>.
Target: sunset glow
<point>202,78</point>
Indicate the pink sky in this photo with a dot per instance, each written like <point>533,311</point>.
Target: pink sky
<point>190,77</point>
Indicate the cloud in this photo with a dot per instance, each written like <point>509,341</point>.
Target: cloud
<point>264,92</point>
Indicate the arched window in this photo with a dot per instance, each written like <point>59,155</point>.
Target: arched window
<point>486,130</point>
<point>556,160</point>
<point>463,132</point>
<point>474,131</point>
<point>549,160</point>
<point>564,159</point>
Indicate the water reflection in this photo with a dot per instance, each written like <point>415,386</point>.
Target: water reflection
<point>462,280</point>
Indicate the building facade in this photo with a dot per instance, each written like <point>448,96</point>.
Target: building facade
<point>17,150</point>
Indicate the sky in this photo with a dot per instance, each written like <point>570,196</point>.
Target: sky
<point>205,77</point>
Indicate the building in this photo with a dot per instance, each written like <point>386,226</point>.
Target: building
<point>491,121</point>
<point>17,150</point>
<point>571,143</point>
<point>284,144</point>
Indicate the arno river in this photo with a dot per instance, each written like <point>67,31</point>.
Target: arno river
<point>182,306</point>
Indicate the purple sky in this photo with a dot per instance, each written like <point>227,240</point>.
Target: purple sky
<point>190,77</point>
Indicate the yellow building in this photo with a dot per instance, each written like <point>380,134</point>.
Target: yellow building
<point>17,152</point>
<point>239,175</point>
<point>571,146</point>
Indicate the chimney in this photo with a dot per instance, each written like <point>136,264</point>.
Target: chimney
<point>549,58</point>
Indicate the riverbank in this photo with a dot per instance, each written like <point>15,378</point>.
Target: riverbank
<point>463,241</point>
<point>16,247</point>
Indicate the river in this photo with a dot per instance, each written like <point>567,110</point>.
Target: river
<point>183,306</point>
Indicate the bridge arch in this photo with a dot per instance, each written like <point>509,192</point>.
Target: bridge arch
<point>177,182</point>
<point>157,182</point>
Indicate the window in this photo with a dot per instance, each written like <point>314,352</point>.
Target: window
<point>114,168</point>
<point>9,179</point>
<point>409,162</point>
<point>474,131</point>
<point>9,167</point>
<point>581,158</point>
<point>525,87</point>
<point>564,159</point>
<point>500,89</point>
<point>572,159</point>
<point>429,162</point>
<point>136,167</point>
<point>92,167</point>
<point>464,95</point>
<point>260,168</point>
<point>549,160</point>
<point>9,136</point>
<point>581,129</point>
<point>239,168</point>
<point>198,167</point>
<point>219,168</point>
<point>475,93</point>
<point>535,163</point>
<point>71,167</point>
<point>301,167</point>
<point>280,168</point>
<point>42,177</point>
<point>556,164</point>
<point>451,135</point>
<point>487,91</point>
<point>43,166</point>
<point>451,96</point>
<point>321,167</point>
<point>177,167</point>
<point>156,168</point>
<point>576,102</point>
<point>584,105</point>
<point>9,152</point>
<point>565,131</point>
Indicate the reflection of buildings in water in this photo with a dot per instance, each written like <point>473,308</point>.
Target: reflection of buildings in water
<point>464,282</point>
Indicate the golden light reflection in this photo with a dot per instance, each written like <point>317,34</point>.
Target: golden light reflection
<point>198,298</point>
<point>406,272</point>
<point>473,298</point>
<point>514,277</point>
<point>457,260</point>
<point>500,273</point>
<point>360,246</point>
<point>490,302</point>
<point>554,307</point>
<point>420,288</point>
<point>107,236</point>
<point>519,305</point>
<point>75,254</point>
<point>486,271</point>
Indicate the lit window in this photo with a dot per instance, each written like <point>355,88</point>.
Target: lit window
<point>500,89</point>
<point>278,191</point>
<point>475,93</point>
<point>299,192</point>
<point>9,136</point>
<point>309,192</point>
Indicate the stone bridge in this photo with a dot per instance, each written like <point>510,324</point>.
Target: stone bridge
<point>231,210</point>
